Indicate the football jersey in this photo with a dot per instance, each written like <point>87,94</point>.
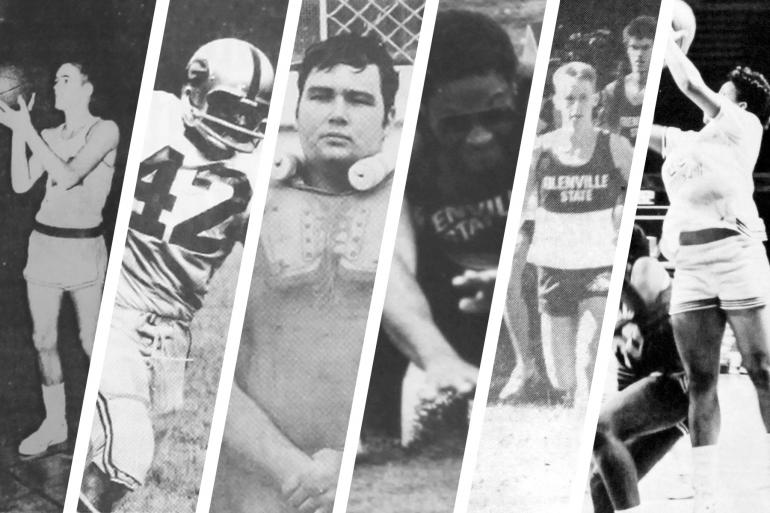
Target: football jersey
<point>79,206</point>
<point>574,228</point>
<point>188,212</point>
<point>708,176</point>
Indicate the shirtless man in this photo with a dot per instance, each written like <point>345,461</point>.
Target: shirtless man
<point>579,173</point>
<point>310,292</point>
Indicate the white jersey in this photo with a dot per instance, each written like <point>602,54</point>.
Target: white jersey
<point>708,176</point>
<point>80,205</point>
<point>188,214</point>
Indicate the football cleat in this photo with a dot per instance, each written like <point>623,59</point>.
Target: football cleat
<point>227,94</point>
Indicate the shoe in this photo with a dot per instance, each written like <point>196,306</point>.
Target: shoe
<point>530,388</point>
<point>49,437</point>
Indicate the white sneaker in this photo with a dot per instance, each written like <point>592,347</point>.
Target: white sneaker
<point>49,435</point>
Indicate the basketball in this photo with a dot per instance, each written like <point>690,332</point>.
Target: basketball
<point>13,83</point>
<point>683,19</point>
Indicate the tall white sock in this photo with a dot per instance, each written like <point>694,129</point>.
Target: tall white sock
<point>705,477</point>
<point>55,405</point>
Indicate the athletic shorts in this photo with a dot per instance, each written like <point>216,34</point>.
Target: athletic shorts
<point>65,263</point>
<point>144,364</point>
<point>560,291</point>
<point>731,274</point>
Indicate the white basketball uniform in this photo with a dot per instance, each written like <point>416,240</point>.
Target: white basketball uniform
<point>708,178</point>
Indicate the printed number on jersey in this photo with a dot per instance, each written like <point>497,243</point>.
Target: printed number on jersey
<point>190,207</point>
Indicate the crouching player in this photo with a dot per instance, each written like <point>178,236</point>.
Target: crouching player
<point>641,422</point>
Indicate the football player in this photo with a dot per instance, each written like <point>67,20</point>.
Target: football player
<point>190,208</point>
<point>310,293</point>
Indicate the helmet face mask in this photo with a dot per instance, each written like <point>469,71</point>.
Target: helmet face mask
<point>226,95</point>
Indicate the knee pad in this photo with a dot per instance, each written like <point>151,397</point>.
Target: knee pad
<point>122,440</point>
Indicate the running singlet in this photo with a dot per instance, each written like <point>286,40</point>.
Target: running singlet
<point>573,221</point>
<point>656,352</point>
<point>708,176</point>
<point>188,213</point>
<point>79,206</point>
<point>619,114</point>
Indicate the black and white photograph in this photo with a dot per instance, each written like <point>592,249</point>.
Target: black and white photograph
<point>69,81</point>
<point>685,421</point>
<point>182,254</point>
<point>446,256</point>
<point>317,256</point>
<point>563,258</point>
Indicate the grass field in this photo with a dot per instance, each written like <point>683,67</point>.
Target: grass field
<point>181,437</point>
<point>392,480</point>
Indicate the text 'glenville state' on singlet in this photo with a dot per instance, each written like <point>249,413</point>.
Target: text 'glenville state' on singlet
<point>79,206</point>
<point>656,352</point>
<point>573,221</point>
<point>188,213</point>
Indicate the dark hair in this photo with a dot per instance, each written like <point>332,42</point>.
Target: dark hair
<point>356,51</point>
<point>465,44</point>
<point>641,27</point>
<point>640,246</point>
<point>752,88</point>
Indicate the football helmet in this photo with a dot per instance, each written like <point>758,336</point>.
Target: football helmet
<point>226,95</point>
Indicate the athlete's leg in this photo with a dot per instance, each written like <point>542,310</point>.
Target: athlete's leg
<point>646,451</point>
<point>649,406</point>
<point>87,301</point>
<point>698,337</point>
<point>559,348</point>
<point>595,307</point>
<point>520,316</point>
<point>752,333</point>
<point>44,305</point>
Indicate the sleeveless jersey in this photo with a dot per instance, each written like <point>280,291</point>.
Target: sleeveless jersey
<point>188,213</point>
<point>573,220</point>
<point>79,206</point>
<point>708,176</point>
<point>620,115</point>
<point>657,352</point>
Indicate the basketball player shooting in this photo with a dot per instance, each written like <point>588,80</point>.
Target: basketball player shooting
<point>714,236</point>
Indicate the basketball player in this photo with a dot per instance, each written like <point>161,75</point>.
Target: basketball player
<point>642,422</point>
<point>67,252</point>
<point>190,208</point>
<point>310,292</point>
<point>579,173</point>
<point>714,236</point>
<point>622,99</point>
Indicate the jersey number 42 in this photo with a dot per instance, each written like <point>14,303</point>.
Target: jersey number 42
<point>188,207</point>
